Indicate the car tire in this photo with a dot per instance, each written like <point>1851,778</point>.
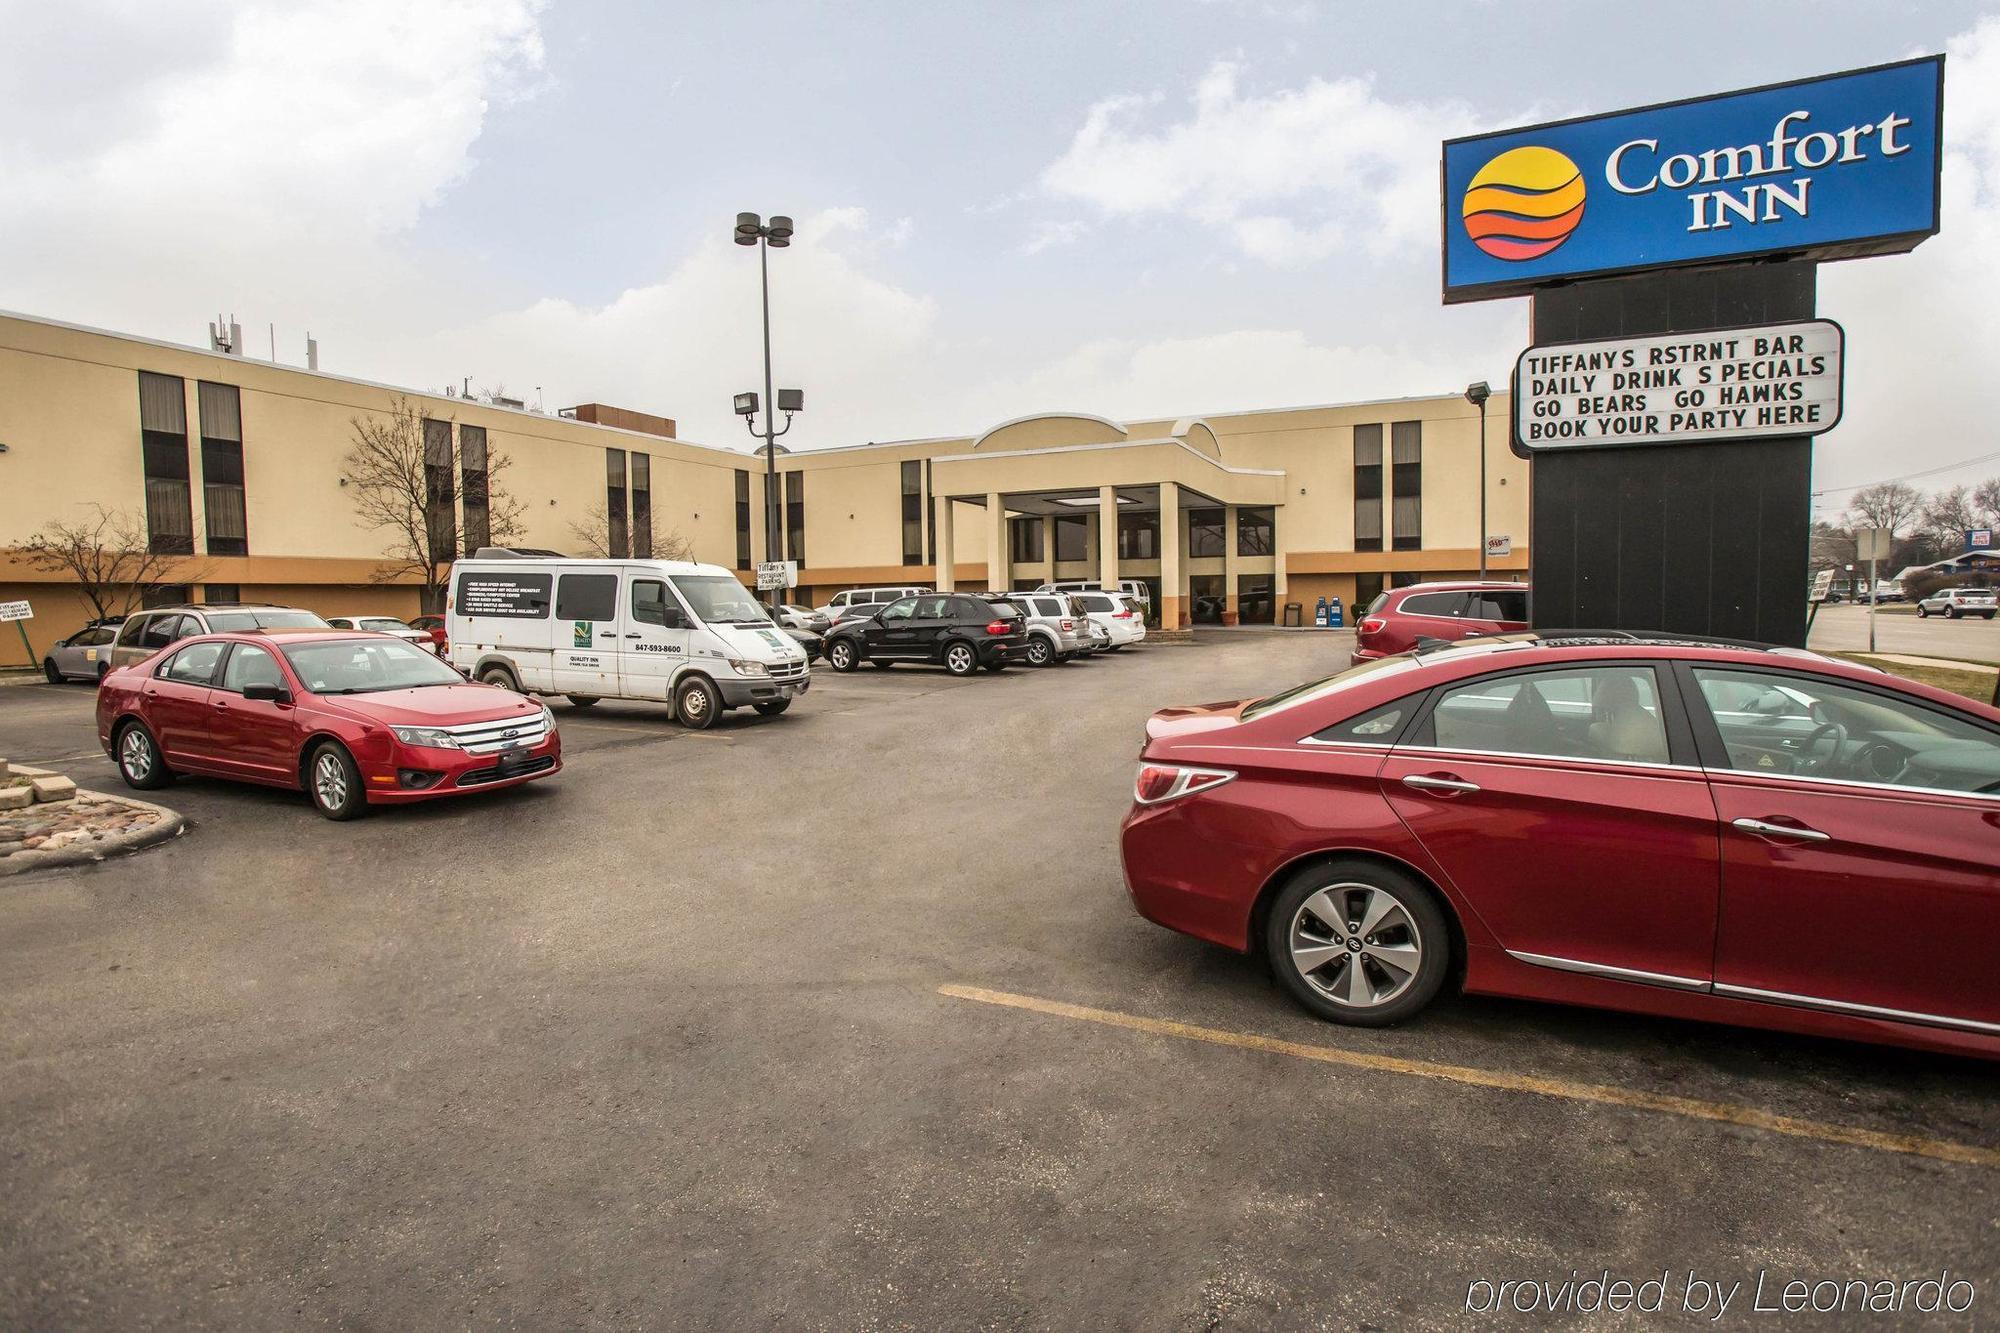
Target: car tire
<point>1951,613</point>
<point>139,760</point>
<point>1923,612</point>
<point>582,700</point>
<point>501,676</point>
<point>1314,958</point>
<point>772,707</point>
<point>842,655</point>
<point>102,672</point>
<point>334,783</point>
<point>1040,654</point>
<point>960,659</point>
<point>697,703</point>
<point>49,670</point>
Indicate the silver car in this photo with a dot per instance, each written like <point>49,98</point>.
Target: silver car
<point>1951,603</point>
<point>1057,630</point>
<point>84,655</point>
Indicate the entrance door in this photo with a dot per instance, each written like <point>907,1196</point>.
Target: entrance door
<point>654,640</point>
<point>586,628</point>
<point>1553,800</point>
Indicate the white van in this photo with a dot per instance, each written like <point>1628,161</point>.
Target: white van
<point>837,608</point>
<point>689,635</point>
<point>1137,589</point>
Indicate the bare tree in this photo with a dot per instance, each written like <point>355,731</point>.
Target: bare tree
<point>111,559</point>
<point>1832,547</point>
<point>1986,500</point>
<point>404,479</point>
<point>1889,504</point>
<point>1946,518</point>
<point>593,538</point>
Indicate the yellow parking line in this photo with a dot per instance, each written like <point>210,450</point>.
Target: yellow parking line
<point>1694,1109</point>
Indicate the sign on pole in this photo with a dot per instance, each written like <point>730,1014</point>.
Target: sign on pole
<point>775,574</point>
<point>1499,546</point>
<point>16,611</point>
<point>1822,586</point>
<point>1780,380</point>
<point>1836,167</point>
<point>1871,544</point>
<point>1979,539</point>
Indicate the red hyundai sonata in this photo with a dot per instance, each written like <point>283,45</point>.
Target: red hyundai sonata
<point>356,719</point>
<point>1749,835</point>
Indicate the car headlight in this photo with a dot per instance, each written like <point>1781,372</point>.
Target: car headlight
<point>548,718</point>
<point>435,737</point>
<point>744,668</point>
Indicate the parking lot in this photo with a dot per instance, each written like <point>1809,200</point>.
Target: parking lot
<point>842,1019</point>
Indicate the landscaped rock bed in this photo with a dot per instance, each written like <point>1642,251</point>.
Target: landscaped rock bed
<point>84,828</point>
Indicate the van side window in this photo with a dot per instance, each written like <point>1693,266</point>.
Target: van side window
<point>587,597</point>
<point>650,603</point>
<point>128,633</point>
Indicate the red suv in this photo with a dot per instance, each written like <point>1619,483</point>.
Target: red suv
<point>1398,618</point>
<point>1746,835</point>
<point>354,719</point>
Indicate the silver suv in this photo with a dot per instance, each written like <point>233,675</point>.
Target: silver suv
<point>1951,603</point>
<point>146,632</point>
<point>1057,629</point>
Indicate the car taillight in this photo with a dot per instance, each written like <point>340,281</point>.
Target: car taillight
<point>1169,782</point>
<point>1121,615</point>
<point>1373,625</point>
<point>1069,624</point>
<point>997,627</point>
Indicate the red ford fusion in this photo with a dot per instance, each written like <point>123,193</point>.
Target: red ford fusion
<point>1397,620</point>
<point>1749,835</point>
<point>355,719</point>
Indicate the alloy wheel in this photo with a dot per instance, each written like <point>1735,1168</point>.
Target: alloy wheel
<point>959,658</point>
<point>330,781</point>
<point>135,755</point>
<point>1039,654</point>
<point>1356,944</point>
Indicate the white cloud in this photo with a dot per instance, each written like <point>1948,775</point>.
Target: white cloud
<point>1289,176</point>
<point>1047,235</point>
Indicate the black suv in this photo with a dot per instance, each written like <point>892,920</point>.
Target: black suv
<point>962,631</point>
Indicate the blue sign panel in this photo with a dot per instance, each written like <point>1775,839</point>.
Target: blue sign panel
<point>1831,168</point>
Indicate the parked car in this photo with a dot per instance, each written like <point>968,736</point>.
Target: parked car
<point>1058,630</point>
<point>1399,617</point>
<point>1669,826</point>
<point>960,631</point>
<point>1138,590</point>
<point>84,655</point>
<point>803,617</point>
<point>1952,603</point>
<point>870,597</point>
<point>146,632</point>
<point>1888,590</point>
<point>435,627</point>
<point>689,635</point>
<point>1122,619</point>
<point>383,625</point>
<point>811,644</point>
<point>356,719</point>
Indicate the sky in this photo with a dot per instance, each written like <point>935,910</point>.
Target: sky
<point>1134,208</point>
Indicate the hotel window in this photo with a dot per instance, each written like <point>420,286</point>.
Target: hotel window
<point>913,512</point>
<point>742,519</point>
<point>617,538</point>
<point>1204,533</point>
<point>1139,535</point>
<point>795,517</point>
<point>222,468</point>
<point>1253,530</point>
<point>440,487</point>
<point>1024,539</point>
<point>163,437</point>
<point>642,506</point>
<point>221,592</point>
<point>1368,488</point>
<point>1072,538</point>
<point>474,488</point>
<point>1406,444</point>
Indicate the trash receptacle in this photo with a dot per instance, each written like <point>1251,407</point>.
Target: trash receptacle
<point>1294,615</point>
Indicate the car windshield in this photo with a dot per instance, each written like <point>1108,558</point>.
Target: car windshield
<point>1325,685</point>
<point>717,599</point>
<point>383,624</point>
<point>220,622</point>
<point>366,666</point>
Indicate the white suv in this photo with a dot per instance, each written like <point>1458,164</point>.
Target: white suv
<point>1952,603</point>
<point>868,600</point>
<point>1116,614</point>
<point>1057,630</point>
<point>1137,589</point>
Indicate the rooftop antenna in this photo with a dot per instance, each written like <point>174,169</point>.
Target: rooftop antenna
<point>274,343</point>
<point>312,351</point>
<point>225,336</point>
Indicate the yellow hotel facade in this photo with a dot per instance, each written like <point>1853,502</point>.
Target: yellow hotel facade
<point>235,468</point>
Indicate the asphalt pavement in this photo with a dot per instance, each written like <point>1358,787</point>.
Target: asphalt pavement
<point>661,1042</point>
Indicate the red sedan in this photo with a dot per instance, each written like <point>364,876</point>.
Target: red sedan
<point>1397,620</point>
<point>1746,835</point>
<point>355,719</point>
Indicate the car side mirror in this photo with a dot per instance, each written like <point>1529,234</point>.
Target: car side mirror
<point>672,617</point>
<point>270,694</point>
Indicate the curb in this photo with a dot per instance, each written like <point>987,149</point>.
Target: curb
<point>166,824</point>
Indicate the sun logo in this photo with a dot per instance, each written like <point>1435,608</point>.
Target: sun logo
<point>1524,203</point>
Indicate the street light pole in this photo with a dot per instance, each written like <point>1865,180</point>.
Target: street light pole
<point>1477,394</point>
<point>753,230</point>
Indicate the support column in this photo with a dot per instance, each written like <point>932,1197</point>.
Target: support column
<point>947,546</point>
<point>997,551</point>
<point>1278,588</point>
<point>1107,537</point>
<point>1049,543</point>
<point>1173,593</point>
<point>1230,611</point>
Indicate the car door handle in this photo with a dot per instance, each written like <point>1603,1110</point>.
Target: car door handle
<point>1768,830</point>
<point>1455,786</point>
